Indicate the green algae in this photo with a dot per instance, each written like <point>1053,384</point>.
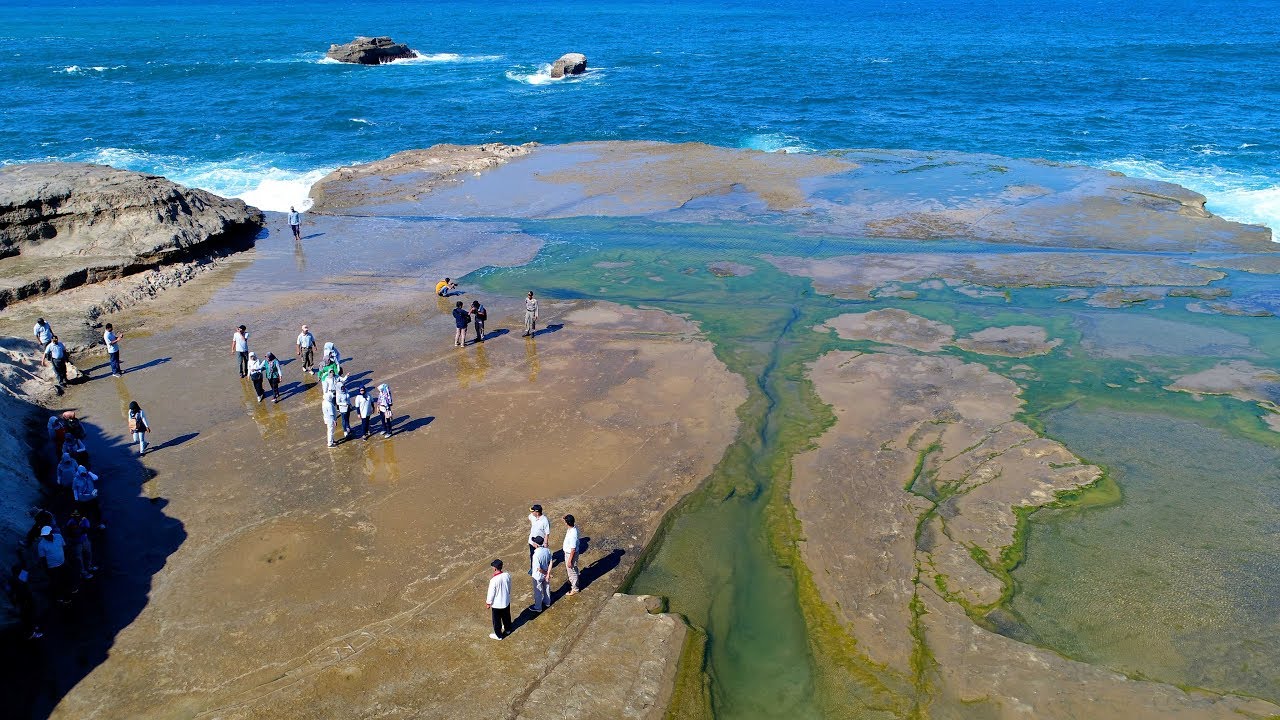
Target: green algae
<point>765,643</point>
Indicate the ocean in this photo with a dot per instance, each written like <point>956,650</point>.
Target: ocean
<point>236,96</point>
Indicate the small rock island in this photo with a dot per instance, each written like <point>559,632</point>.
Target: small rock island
<point>370,51</point>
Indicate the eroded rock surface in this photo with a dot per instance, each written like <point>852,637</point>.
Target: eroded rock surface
<point>370,51</point>
<point>1240,379</point>
<point>859,276</point>
<point>1010,341</point>
<point>892,327</point>
<point>908,507</point>
<point>569,64</point>
<point>415,172</point>
<point>67,224</point>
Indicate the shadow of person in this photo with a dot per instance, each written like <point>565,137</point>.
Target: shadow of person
<point>586,574</point>
<point>35,675</point>
<point>547,330</point>
<point>412,424</point>
<point>144,366</point>
<point>173,442</point>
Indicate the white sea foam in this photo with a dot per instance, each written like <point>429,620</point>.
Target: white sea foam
<point>78,70</point>
<point>446,58</point>
<point>542,75</point>
<point>1235,196</point>
<point>362,121</point>
<point>255,179</point>
<point>775,142</point>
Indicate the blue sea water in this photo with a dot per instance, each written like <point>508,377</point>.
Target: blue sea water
<point>234,96</point>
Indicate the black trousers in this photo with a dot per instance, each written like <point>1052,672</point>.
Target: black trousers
<point>501,621</point>
<point>244,363</point>
<point>60,369</point>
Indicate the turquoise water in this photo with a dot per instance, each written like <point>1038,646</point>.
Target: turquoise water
<point>232,95</point>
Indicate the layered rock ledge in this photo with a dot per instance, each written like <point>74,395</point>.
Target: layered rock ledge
<point>69,224</point>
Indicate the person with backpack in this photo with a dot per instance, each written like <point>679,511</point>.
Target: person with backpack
<point>384,404</point>
<point>461,319</point>
<point>364,408</point>
<point>478,317</point>
<point>138,426</point>
<point>255,375</point>
<point>271,371</point>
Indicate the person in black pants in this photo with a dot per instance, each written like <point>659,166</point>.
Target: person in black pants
<point>499,601</point>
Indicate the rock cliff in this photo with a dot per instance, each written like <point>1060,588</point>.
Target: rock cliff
<point>69,224</point>
<point>569,64</point>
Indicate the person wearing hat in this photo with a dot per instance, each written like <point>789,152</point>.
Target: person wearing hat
<point>240,346</point>
<point>499,601</point>
<point>540,570</point>
<point>52,549</point>
<point>307,350</point>
<point>539,526</point>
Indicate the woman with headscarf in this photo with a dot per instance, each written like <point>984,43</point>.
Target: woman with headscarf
<point>255,374</point>
<point>85,491</point>
<point>384,404</point>
<point>139,426</point>
<point>66,473</point>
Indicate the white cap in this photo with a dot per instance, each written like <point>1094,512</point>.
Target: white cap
<point>46,531</point>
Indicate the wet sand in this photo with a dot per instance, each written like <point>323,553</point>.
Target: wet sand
<point>347,582</point>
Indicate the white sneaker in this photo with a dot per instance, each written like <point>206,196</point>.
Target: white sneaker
<point>494,636</point>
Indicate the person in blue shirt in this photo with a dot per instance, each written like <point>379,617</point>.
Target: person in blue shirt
<point>461,319</point>
<point>295,223</point>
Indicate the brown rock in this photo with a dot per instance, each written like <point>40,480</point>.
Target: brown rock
<point>370,51</point>
<point>69,224</point>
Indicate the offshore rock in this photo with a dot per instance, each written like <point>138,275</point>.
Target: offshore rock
<point>569,64</point>
<point>370,51</point>
<point>69,224</point>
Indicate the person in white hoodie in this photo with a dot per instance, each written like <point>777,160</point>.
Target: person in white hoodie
<point>364,409</point>
<point>498,600</point>
<point>329,410</point>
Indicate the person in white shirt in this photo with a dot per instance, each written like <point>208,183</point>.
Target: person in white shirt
<point>307,350</point>
<point>540,570</point>
<point>530,315</point>
<point>539,526</point>
<point>43,332</point>
<point>56,353</point>
<point>256,366</point>
<point>499,601</point>
<point>364,409</point>
<point>342,399</point>
<point>113,349</point>
<point>570,548</point>
<point>329,410</point>
<point>240,346</point>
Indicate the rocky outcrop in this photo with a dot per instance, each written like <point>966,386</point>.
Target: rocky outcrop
<point>407,175</point>
<point>569,64</point>
<point>370,51</point>
<point>69,224</point>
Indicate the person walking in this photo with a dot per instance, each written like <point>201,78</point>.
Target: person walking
<point>498,600</point>
<point>331,355</point>
<point>329,411</point>
<point>478,317</point>
<point>461,318</point>
<point>85,491</point>
<point>76,534</point>
<point>139,426</point>
<point>539,526</point>
<point>540,570</point>
<point>570,548</point>
<point>364,408</point>
<point>52,549</point>
<point>307,350</point>
<point>112,339</point>
<point>342,399</point>
<point>384,405</point>
<point>256,367</point>
<point>43,332</point>
<point>295,222</point>
<point>66,472</point>
<point>271,371</point>
<point>240,346</point>
<point>56,354</point>
<point>530,315</point>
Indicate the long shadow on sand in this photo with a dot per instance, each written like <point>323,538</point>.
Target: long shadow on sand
<point>586,576</point>
<point>36,674</point>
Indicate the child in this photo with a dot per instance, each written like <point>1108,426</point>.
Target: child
<point>384,402</point>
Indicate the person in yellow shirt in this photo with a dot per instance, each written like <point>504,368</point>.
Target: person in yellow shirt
<point>445,286</point>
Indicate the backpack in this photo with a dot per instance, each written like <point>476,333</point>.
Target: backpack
<point>482,315</point>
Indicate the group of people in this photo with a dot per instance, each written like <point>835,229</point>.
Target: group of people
<point>337,398</point>
<point>498,597</point>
